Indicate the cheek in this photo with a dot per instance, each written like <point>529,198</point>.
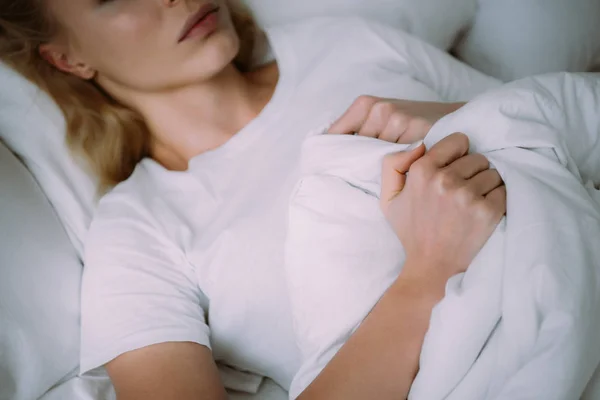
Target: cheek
<point>123,41</point>
<point>115,43</point>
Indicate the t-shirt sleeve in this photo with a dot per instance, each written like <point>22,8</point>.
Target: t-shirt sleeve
<point>450,78</point>
<point>138,290</point>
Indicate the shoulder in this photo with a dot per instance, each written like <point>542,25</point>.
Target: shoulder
<point>134,197</point>
<point>128,215</point>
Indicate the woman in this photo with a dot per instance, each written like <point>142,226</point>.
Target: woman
<point>160,97</point>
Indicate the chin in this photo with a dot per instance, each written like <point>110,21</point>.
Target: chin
<point>213,56</point>
<point>220,50</point>
<point>227,43</point>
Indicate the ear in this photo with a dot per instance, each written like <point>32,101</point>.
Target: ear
<point>58,56</point>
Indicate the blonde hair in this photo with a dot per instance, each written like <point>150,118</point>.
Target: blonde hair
<point>112,137</point>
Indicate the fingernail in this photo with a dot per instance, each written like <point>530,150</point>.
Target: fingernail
<point>414,146</point>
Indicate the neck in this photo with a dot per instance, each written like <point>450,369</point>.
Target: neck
<point>191,120</point>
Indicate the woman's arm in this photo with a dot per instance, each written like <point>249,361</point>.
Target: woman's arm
<point>380,361</point>
<point>142,314</point>
<point>183,371</point>
<point>443,214</point>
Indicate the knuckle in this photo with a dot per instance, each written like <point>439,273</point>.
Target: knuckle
<point>460,139</point>
<point>465,196</point>
<point>502,191</point>
<point>425,124</point>
<point>481,159</point>
<point>419,171</point>
<point>497,177</point>
<point>484,211</point>
<point>397,121</point>
<point>388,137</point>
<point>365,102</point>
<point>392,161</point>
<point>444,182</point>
<point>420,125</point>
<point>384,108</point>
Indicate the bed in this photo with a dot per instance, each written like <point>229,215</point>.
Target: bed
<point>46,199</point>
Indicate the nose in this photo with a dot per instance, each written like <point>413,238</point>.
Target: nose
<point>170,3</point>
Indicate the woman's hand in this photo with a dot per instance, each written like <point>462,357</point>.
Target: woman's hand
<point>397,121</point>
<point>443,212</point>
<point>443,205</point>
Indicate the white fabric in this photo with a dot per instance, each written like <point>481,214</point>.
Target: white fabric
<point>512,39</point>
<point>166,249</point>
<point>99,387</point>
<point>523,322</point>
<point>436,21</point>
<point>32,126</point>
<point>39,288</point>
<point>91,387</point>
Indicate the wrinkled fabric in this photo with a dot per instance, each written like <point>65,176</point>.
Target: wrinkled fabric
<point>523,321</point>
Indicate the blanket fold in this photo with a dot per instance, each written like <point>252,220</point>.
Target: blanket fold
<point>523,321</point>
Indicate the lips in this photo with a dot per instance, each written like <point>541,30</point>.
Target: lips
<point>204,12</point>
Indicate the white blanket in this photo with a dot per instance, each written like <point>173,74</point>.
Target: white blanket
<point>524,321</point>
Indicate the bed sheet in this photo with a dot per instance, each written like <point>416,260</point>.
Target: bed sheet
<point>98,387</point>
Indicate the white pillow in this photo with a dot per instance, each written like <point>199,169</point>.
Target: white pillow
<point>39,288</point>
<point>32,126</point>
<point>435,21</point>
<point>511,39</point>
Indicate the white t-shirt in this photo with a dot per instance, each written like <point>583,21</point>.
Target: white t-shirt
<point>198,255</point>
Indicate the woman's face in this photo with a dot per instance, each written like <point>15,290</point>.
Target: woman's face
<point>138,44</point>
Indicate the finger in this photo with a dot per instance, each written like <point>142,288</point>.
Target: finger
<point>379,116</point>
<point>470,165</point>
<point>448,150</point>
<point>354,118</point>
<point>417,129</point>
<point>395,167</point>
<point>395,127</point>
<point>485,182</point>
<point>497,199</point>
